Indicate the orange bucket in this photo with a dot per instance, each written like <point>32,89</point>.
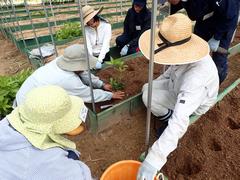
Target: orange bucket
<point>126,169</point>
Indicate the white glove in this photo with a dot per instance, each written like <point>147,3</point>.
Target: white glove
<point>98,65</point>
<point>214,44</point>
<point>146,171</point>
<point>124,50</point>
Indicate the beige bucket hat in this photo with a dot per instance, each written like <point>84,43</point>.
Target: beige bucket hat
<point>47,112</point>
<point>74,59</point>
<point>175,43</point>
<point>89,13</point>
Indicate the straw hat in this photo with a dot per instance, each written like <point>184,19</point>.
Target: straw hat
<point>75,59</point>
<point>89,13</point>
<point>180,45</point>
<point>47,112</point>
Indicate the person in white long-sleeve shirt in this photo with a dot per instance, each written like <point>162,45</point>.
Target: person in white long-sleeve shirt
<point>189,86</point>
<point>69,72</point>
<point>98,34</point>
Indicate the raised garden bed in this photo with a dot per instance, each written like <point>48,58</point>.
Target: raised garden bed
<point>135,76</point>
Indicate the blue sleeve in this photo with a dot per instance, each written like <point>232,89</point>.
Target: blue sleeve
<point>226,12</point>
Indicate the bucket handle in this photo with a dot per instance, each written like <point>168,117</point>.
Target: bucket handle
<point>160,176</point>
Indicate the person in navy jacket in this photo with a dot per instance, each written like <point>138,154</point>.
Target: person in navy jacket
<point>137,20</point>
<point>216,21</point>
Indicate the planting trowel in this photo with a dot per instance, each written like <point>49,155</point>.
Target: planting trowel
<point>106,106</point>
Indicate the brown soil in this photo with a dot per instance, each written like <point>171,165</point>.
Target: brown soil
<point>209,150</point>
<point>236,39</point>
<point>135,76</point>
<point>11,60</point>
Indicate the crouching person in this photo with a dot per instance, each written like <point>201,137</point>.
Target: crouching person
<point>70,72</point>
<point>189,86</point>
<point>32,142</point>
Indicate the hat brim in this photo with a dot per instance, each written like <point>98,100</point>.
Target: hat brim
<point>80,65</point>
<point>91,15</point>
<point>70,121</point>
<point>192,51</point>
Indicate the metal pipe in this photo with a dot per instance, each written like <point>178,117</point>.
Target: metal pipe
<point>2,27</point>
<point>55,21</point>
<point>7,25</point>
<point>34,31</point>
<point>86,51</point>
<point>49,28</point>
<point>20,29</point>
<point>12,22</point>
<point>150,74</point>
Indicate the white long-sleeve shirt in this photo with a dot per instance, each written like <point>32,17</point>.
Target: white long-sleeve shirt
<point>196,87</point>
<point>98,41</point>
<point>51,74</point>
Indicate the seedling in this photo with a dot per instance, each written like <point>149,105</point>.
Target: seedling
<point>69,30</point>
<point>120,66</point>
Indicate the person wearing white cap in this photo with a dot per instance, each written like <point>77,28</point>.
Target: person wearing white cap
<point>70,72</point>
<point>98,34</point>
<point>189,86</point>
<point>32,142</point>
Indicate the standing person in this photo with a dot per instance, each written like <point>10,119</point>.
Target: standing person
<point>189,86</point>
<point>216,21</point>
<point>32,142</point>
<point>137,21</point>
<point>70,72</point>
<point>98,34</point>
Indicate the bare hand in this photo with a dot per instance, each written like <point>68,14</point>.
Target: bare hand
<point>118,95</point>
<point>107,87</point>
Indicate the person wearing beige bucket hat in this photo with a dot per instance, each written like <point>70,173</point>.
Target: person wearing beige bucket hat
<point>32,142</point>
<point>69,71</point>
<point>189,86</point>
<point>98,34</point>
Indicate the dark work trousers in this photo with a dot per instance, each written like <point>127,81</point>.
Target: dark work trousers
<point>124,39</point>
<point>219,59</point>
<point>107,57</point>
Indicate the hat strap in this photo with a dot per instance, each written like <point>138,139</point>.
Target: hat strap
<point>167,43</point>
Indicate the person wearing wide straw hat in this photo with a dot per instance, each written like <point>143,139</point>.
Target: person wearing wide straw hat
<point>189,86</point>
<point>70,72</point>
<point>32,142</point>
<point>216,22</point>
<point>137,20</point>
<point>98,34</point>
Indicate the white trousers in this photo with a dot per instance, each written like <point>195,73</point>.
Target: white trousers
<point>162,98</point>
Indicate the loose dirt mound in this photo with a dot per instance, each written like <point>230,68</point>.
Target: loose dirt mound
<point>210,148</point>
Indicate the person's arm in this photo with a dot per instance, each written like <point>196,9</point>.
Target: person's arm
<point>126,23</point>
<point>145,26</point>
<point>227,13</point>
<point>96,82</point>
<point>191,95</point>
<point>107,34</point>
<point>89,45</point>
<point>76,87</point>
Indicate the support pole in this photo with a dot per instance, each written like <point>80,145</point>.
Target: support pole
<point>11,21</point>
<point>150,75</point>
<point>19,27</point>
<point>49,28</point>
<point>33,27</point>
<point>86,52</point>
<point>9,34</point>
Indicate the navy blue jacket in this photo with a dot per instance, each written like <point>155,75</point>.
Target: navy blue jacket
<point>134,19</point>
<point>223,20</point>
